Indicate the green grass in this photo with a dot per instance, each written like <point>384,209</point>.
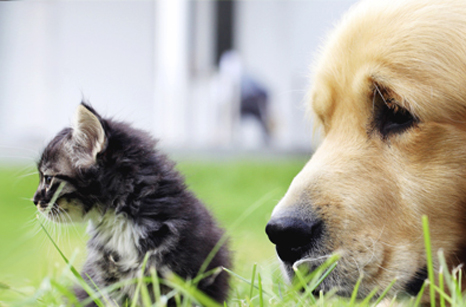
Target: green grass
<point>38,265</point>
<point>228,188</point>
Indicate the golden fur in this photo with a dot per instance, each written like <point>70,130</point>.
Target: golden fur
<point>371,190</point>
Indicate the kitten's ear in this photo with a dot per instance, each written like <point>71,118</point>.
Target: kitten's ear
<point>88,132</point>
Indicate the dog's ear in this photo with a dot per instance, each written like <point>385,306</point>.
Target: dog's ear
<point>88,134</point>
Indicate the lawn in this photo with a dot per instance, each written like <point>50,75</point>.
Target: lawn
<point>241,193</point>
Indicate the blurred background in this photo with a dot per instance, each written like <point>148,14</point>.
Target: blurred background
<point>200,75</point>
<point>223,79</point>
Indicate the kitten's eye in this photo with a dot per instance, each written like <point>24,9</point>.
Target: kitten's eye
<point>47,180</point>
<point>393,119</point>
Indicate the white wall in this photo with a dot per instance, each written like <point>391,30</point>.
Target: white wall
<point>52,54</point>
<point>131,59</point>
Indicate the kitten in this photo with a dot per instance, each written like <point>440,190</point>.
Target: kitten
<point>111,175</point>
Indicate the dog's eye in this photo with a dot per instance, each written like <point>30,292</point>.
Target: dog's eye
<point>393,119</point>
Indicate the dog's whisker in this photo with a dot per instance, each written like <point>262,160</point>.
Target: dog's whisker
<point>310,259</point>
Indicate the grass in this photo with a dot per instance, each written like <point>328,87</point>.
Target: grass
<point>39,263</point>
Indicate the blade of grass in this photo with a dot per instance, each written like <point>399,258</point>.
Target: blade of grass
<point>190,290</point>
<point>430,263</point>
<point>369,297</point>
<point>145,296</point>
<point>177,299</point>
<point>442,293</point>
<point>316,277</point>
<point>441,287</point>
<point>448,278</point>
<point>261,297</point>
<point>393,301</point>
<point>252,279</point>
<point>66,292</point>
<point>235,224</point>
<point>245,280</point>
<point>321,298</point>
<point>4,286</point>
<point>54,198</point>
<point>384,293</point>
<point>355,291</point>
<point>420,294</point>
<point>280,290</point>
<point>140,283</point>
<point>155,285</point>
<point>249,302</point>
<point>455,282</point>
<point>101,294</point>
<point>212,273</point>
<point>460,280</point>
<point>72,268</point>
<point>135,299</point>
<point>329,270</point>
<point>303,283</point>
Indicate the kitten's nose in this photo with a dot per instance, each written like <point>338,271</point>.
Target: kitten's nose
<point>36,202</point>
<point>36,197</point>
<point>293,237</point>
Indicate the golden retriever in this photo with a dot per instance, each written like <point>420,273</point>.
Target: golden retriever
<point>389,91</point>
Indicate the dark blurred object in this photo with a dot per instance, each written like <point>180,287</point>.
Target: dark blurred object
<point>254,100</point>
<point>225,20</point>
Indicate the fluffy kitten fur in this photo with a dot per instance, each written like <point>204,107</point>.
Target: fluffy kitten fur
<point>135,202</point>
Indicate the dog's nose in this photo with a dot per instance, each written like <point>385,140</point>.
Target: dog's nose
<point>294,237</point>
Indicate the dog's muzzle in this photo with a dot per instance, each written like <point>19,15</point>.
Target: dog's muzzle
<point>293,237</point>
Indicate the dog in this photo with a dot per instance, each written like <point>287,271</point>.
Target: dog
<point>389,94</point>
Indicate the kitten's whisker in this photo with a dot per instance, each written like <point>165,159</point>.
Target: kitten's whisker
<point>61,220</point>
<point>30,167</point>
<point>17,157</point>
<point>65,219</point>
<point>27,175</point>
<point>68,216</point>
<point>32,151</point>
<point>32,221</point>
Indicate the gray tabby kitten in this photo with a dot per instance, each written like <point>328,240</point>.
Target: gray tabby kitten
<point>110,175</point>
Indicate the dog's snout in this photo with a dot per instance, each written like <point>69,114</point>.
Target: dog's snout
<point>293,237</point>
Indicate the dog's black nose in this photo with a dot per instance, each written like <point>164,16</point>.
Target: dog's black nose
<point>293,237</point>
